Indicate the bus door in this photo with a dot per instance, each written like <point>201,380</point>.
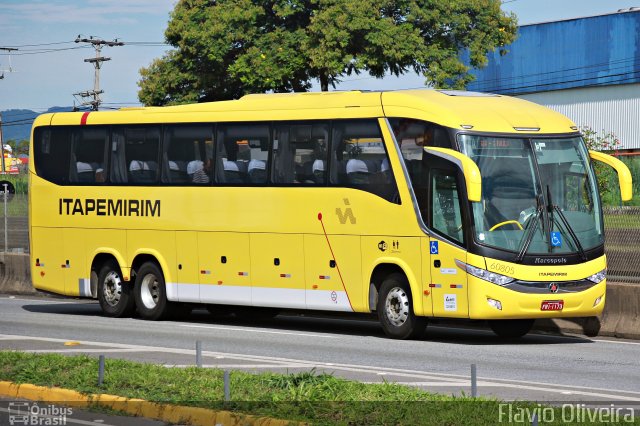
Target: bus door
<point>448,286</point>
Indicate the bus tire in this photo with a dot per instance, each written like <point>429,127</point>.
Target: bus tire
<point>151,293</point>
<point>114,294</point>
<point>511,329</point>
<point>395,309</point>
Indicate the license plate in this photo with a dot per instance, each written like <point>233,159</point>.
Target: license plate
<point>552,305</point>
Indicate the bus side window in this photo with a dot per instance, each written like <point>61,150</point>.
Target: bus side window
<point>52,146</point>
<point>359,159</point>
<point>88,154</point>
<point>412,136</point>
<point>300,153</point>
<point>134,154</point>
<point>242,156</point>
<point>188,154</point>
<point>446,213</point>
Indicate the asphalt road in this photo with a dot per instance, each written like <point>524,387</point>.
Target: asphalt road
<point>538,367</point>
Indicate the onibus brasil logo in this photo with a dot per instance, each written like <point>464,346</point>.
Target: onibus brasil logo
<point>34,414</point>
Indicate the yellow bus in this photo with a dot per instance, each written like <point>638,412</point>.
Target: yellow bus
<point>410,204</point>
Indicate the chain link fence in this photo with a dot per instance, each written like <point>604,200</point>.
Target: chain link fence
<point>14,226</point>
<point>622,246</point>
<point>622,227</point>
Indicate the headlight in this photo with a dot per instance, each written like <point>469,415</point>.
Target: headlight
<point>492,277</point>
<point>598,277</point>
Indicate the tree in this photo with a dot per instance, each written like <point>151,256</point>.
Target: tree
<point>227,48</point>
<point>607,142</point>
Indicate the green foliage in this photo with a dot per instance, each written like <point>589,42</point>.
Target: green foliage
<point>229,48</point>
<point>611,196</point>
<point>20,182</point>
<point>321,399</point>
<point>607,179</point>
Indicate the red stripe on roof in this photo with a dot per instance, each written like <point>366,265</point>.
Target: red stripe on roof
<point>83,120</point>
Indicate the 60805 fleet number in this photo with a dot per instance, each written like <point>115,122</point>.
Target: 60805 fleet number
<point>501,268</point>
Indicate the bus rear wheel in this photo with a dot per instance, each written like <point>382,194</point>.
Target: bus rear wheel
<point>114,294</point>
<point>511,329</point>
<point>395,309</point>
<point>150,292</point>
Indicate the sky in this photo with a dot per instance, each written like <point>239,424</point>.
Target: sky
<point>49,66</point>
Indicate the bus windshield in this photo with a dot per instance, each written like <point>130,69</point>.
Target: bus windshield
<point>539,196</point>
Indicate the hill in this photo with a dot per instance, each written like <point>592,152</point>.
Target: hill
<point>16,123</point>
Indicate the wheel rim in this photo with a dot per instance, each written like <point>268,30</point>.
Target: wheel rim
<point>397,306</point>
<point>112,288</point>
<point>149,291</point>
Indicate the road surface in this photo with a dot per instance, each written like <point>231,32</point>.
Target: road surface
<point>537,367</point>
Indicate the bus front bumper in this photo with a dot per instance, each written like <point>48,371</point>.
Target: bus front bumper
<point>491,301</point>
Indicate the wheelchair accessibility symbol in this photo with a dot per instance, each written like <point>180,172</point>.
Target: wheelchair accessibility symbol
<point>556,239</point>
<point>433,248</point>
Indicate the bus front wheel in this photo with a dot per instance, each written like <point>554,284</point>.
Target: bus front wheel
<point>150,292</point>
<point>114,294</point>
<point>511,329</point>
<point>395,309</point>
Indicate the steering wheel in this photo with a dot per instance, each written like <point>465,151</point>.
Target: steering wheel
<point>506,222</point>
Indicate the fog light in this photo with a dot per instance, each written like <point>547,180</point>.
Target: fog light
<point>598,300</point>
<point>494,304</point>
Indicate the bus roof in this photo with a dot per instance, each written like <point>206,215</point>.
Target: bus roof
<point>456,109</point>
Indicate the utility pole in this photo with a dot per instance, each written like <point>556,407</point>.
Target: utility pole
<point>7,49</point>
<point>94,94</point>
<point>2,145</point>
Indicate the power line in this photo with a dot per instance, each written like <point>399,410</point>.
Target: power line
<point>25,52</point>
<point>16,123</point>
<point>41,51</point>
<point>42,44</point>
<point>10,50</point>
<point>97,61</point>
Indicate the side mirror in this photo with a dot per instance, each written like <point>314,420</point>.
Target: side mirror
<point>469,169</point>
<point>624,175</point>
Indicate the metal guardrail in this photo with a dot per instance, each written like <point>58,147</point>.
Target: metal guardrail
<point>622,229</point>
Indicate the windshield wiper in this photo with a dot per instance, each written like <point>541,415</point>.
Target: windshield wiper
<point>531,231</point>
<point>554,208</point>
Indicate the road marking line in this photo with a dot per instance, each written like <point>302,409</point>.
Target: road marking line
<point>539,386</point>
<point>419,384</point>
<point>53,302</point>
<point>253,330</point>
<point>614,342</point>
<point>485,384</point>
<point>80,350</point>
<point>66,418</point>
<point>225,366</point>
<point>618,342</point>
<point>551,389</point>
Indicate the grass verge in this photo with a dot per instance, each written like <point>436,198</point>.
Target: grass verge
<point>321,399</point>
